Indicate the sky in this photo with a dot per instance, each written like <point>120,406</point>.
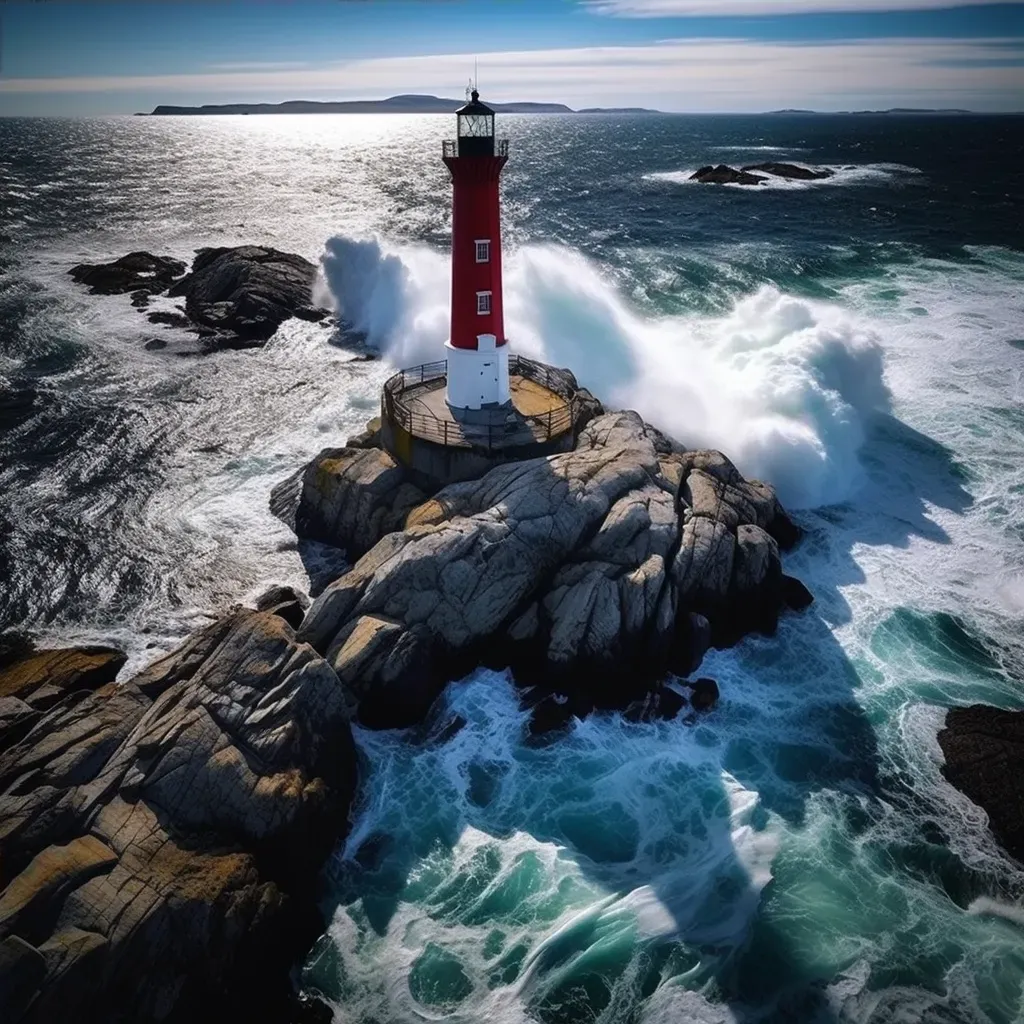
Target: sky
<point>675,55</point>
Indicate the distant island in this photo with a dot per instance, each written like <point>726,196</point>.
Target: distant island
<point>409,104</point>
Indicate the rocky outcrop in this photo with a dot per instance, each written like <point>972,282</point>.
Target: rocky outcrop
<point>792,171</point>
<point>160,840</point>
<point>352,497</point>
<point>984,751</point>
<point>596,569</point>
<point>33,681</point>
<point>725,175</point>
<point>247,292</point>
<point>138,272</point>
<point>234,297</point>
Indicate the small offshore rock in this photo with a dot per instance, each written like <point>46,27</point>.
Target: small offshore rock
<point>725,175</point>
<point>662,704</point>
<point>792,171</point>
<point>246,293</point>
<point>704,694</point>
<point>155,344</point>
<point>555,712</point>
<point>141,273</point>
<point>984,751</point>
<point>795,595</point>
<point>169,318</point>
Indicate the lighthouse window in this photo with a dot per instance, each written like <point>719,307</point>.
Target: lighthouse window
<point>476,125</point>
<point>483,303</point>
<point>483,250</point>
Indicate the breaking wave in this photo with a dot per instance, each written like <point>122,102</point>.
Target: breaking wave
<point>782,384</point>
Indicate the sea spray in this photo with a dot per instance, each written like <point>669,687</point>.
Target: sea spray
<point>782,384</point>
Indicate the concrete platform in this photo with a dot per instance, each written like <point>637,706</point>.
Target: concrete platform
<point>536,415</point>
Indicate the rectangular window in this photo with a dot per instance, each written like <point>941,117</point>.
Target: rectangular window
<point>483,303</point>
<point>483,250</point>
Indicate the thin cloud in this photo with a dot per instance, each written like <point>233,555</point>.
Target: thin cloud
<point>761,8</point>
<point>683,74</point>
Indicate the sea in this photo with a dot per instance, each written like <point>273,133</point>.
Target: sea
<point>796,854</point>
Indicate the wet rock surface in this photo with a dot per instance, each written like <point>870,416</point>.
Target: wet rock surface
<point>791,171</point>
<point>234,297</point>
<point>247,292</point>
<point>591,572</point>
<point>141,273</point>
<point>160,839</point>
<point>725,175</point>
<point>984,751</point>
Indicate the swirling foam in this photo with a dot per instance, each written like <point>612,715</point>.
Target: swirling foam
<point>782,384</point>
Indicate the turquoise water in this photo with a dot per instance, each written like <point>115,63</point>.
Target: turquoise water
<point>793,856</point>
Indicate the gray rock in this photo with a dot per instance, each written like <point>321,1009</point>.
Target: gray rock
<point>351,497</point>
<point>596,569</point>
<point>246,292</point>
<point>170,829</point>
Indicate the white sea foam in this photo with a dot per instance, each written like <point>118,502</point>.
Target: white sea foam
<point>781,384</point>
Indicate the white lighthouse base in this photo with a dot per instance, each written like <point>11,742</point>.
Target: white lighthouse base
<point>477,377</point>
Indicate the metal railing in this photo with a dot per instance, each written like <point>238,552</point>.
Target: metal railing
<point>406,385</point>
<point>450,148</point>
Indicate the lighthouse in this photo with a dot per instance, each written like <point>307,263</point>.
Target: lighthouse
<point>476,350</point>
<point>453,419</point>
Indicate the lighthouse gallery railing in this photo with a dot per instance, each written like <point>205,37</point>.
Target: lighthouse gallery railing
<point>450,148</point>
<point>398,390</point>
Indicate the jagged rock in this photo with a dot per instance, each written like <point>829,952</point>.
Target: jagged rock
<point>32,682</point>
<point>169,318</point>
<point>285,602</point>
<point>781,170</point>
<point>351,497</point>
<point>593,570</point>
<point>795,594</point>
<point>159,839</point>
<point>704,694</point>
<point>984,751</point>
<point>369,438</point>
<point>725,175</point>
<point>139,272</point>
<point>555,711</point>
<point>662,704</point>
<point>247,292</point>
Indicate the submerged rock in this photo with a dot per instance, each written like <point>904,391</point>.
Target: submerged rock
<point>793,171</point>
<point>984,751</point>
<point>704,694</point>
<point>592,571</point>
<point>160,840</point>
<point>247,291</point>
<point>139,272</point>
<point>725,175</point>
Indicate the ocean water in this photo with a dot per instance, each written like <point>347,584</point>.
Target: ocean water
<point>796,854</point>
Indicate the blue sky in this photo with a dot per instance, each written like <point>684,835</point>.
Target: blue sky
<point>687,55</point>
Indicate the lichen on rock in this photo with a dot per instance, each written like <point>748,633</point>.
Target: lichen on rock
<point>601,568</point>
<point>160,839</point>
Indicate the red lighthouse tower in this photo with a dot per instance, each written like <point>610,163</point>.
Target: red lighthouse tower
<point>477,350</point>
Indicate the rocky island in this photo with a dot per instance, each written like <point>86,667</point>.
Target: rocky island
<point>233,297</point>
<point>757,174</point>
<point>174,824</point>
